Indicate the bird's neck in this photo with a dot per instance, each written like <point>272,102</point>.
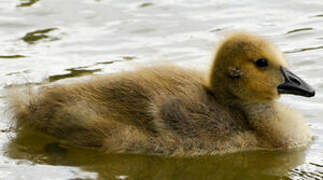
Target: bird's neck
<point>222,95</point>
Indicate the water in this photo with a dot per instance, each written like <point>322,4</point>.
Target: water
<point>60,40</point>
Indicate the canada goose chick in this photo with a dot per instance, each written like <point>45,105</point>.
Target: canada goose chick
<point>171,110</point>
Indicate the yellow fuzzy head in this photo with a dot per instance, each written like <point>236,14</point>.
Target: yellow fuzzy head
<point>248,67</point>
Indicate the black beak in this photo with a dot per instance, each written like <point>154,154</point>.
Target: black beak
<point>294,85</point>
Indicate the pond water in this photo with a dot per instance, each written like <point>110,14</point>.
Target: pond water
<point>43,41</point>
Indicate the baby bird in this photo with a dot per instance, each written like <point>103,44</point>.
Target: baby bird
<point>170,110</point>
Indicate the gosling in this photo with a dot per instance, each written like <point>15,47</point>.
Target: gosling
<point>170,110</point>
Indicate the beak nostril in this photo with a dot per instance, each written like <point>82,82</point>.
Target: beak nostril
<point>296,81</point>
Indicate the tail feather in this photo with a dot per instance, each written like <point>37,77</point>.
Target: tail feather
<point>20,103</point>
<point>68,121</point>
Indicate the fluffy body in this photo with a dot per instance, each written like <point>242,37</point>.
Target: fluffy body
<point>165,110</point>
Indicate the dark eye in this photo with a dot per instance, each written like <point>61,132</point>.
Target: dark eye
<point>262,63</point>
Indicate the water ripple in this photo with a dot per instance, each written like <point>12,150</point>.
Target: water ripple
<point>38,35</point>
<point>73,73</point>
<point>27,3</point>
<point>12,56</point>
<point>303,49</point>
<point>298,30</point>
